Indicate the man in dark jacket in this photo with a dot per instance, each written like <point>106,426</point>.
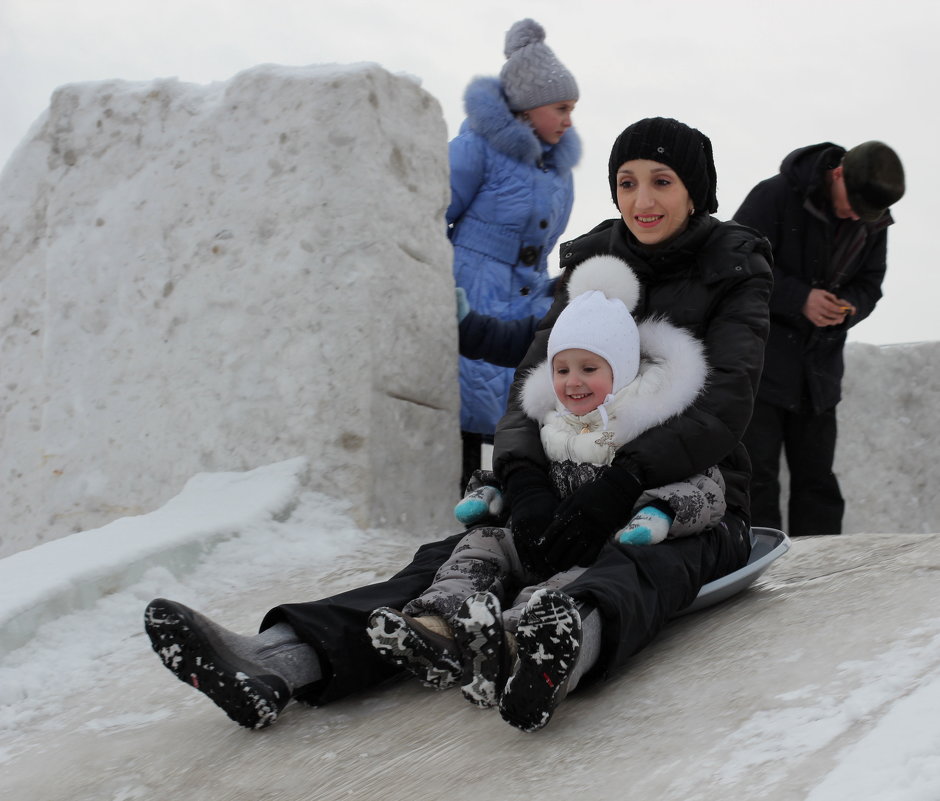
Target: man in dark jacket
<point>826,216</point>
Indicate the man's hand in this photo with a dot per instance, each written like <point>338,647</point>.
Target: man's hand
<point>822,308</point>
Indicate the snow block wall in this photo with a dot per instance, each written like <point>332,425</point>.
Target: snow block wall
<point>212,278</point>
<point>889,432</point>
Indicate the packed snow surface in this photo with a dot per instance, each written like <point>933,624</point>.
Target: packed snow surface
<point>820,682</point>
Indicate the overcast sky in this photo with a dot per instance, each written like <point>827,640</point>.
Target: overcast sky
<point>760,77</point>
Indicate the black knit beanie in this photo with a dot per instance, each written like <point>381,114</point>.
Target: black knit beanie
<point>670,142</point>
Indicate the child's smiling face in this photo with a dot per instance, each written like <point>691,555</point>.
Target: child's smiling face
<point>582,380</point>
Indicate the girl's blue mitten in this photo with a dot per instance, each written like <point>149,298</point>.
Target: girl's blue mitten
<point>480,504</point>
<point>647,527</point>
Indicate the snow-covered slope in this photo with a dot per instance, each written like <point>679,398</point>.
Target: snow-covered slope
<point>821,682</point>
<point>72,573</point>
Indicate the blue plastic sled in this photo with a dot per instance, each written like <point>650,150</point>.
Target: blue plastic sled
<point>767,544</point>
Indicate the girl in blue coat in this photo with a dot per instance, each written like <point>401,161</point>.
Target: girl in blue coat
<point>511,196</point>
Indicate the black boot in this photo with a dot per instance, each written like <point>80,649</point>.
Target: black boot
<point>187,643</point>
<point>478,631</point>
<point>405,641</point>
<point>548,640</point>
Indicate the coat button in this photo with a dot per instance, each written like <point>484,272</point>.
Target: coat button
<point>543,223</point>
<point>529,255</point>
<point>525,290</point>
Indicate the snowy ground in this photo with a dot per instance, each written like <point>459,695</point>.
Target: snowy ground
<point>822,682</point>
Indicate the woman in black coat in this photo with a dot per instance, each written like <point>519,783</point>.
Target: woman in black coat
<point>710,277</point>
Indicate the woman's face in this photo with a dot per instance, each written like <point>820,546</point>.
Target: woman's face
<point>653,201</point>
<point>550,122</point>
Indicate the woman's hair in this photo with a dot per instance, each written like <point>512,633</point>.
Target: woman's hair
<point>673,143</point>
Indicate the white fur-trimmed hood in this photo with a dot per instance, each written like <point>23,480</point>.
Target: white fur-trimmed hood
<point>672,373</point>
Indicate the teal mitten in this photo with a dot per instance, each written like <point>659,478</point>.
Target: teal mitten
<point>479,504</point>
<point>647,527</point>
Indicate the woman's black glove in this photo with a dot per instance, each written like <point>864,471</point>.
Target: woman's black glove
<point>532,505</point>
<point>590,516</point>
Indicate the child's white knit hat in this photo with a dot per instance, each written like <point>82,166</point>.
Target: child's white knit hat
<point>602,289</point>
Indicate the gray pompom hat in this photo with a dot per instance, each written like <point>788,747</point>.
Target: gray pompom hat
<point>532,75</point>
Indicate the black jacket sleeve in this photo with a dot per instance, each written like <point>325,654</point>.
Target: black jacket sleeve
<point>765,210</point>
<point>500,342</point>
<point>518,434</point>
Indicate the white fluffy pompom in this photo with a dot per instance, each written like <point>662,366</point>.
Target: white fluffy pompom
<point>609,275</point>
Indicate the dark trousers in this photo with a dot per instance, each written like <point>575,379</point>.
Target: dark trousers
<point>636,588</point>
<point>336,626</point>
<point>808,441</point>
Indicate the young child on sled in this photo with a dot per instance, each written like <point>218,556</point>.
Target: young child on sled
<point>605,381</point>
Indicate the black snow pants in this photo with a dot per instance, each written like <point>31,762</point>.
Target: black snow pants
<point>636,589</point>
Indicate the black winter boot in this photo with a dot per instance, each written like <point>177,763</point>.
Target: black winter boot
<point>405,641</point>
<point>187,644</point>
<point>478,631</point>
<point>548,639</point>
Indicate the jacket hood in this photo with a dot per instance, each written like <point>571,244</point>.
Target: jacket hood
<point>673,371</point>
<point>804,167</point>
<point>489,116</point>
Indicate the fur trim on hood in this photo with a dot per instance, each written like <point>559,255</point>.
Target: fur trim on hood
<point>672,373</point>
<point>489,116</point>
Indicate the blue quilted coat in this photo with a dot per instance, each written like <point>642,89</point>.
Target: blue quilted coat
<point>511,196</point>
